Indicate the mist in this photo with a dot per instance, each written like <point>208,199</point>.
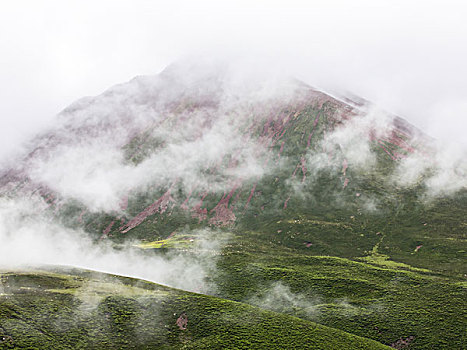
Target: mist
<point>34,239</point>
<point>405,57</point>
<point>87,157</point>
<point>279,297</point>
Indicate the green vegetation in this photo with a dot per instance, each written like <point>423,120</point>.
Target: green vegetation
<point>380,300</point>
<point>178,241</point>
<point>88,310</point>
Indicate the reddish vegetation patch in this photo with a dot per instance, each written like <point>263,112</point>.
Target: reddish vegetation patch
<point>198,212</point>
<point>347,113</point>
<point>346,182</point>
<point>285,203</point>
<point>312,131</point>
<point>224,215</point>
<point>308,143</point>
<point>159,206</point>
<point>282,148</point>
<point>396,139</point>
<point>47,197</point>
<point>385,150</point>
<point>345,165</point>
<point>276,126</point>
<point>315,122</point>
<point>182,321</point>
<point>107,229</point>
<point>402,343</point>
<point>250,196</point>
<point>295,171</point>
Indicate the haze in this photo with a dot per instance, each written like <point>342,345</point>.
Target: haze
<point>409,58</point>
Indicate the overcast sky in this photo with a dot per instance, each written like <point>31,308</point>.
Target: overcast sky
<point>410,57</point>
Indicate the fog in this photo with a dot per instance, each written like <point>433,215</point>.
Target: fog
<point>33,239</point>
<point>407,57</point>
<point>439,166</point>
<point>279,298</point>
<point>84,158</point>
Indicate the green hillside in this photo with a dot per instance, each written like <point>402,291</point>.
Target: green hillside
<point>79,309</point>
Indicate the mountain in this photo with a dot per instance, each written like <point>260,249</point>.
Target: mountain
<point>259,190</point>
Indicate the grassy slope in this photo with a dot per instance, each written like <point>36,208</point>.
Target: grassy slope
<point>379,299</point>
<point>89,310</point>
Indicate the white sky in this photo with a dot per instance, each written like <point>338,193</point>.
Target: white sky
<point>410,57</point>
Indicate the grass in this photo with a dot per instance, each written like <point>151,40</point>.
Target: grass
<point>63,309</point>
<point>178,241</point>
<point>381,301</point>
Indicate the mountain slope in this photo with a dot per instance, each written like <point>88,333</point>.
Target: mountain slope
<point>273,193</point>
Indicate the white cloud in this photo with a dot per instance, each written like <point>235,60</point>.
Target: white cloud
<point>33,239</point>
<point>405,56</point>
<point>85,156</point>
